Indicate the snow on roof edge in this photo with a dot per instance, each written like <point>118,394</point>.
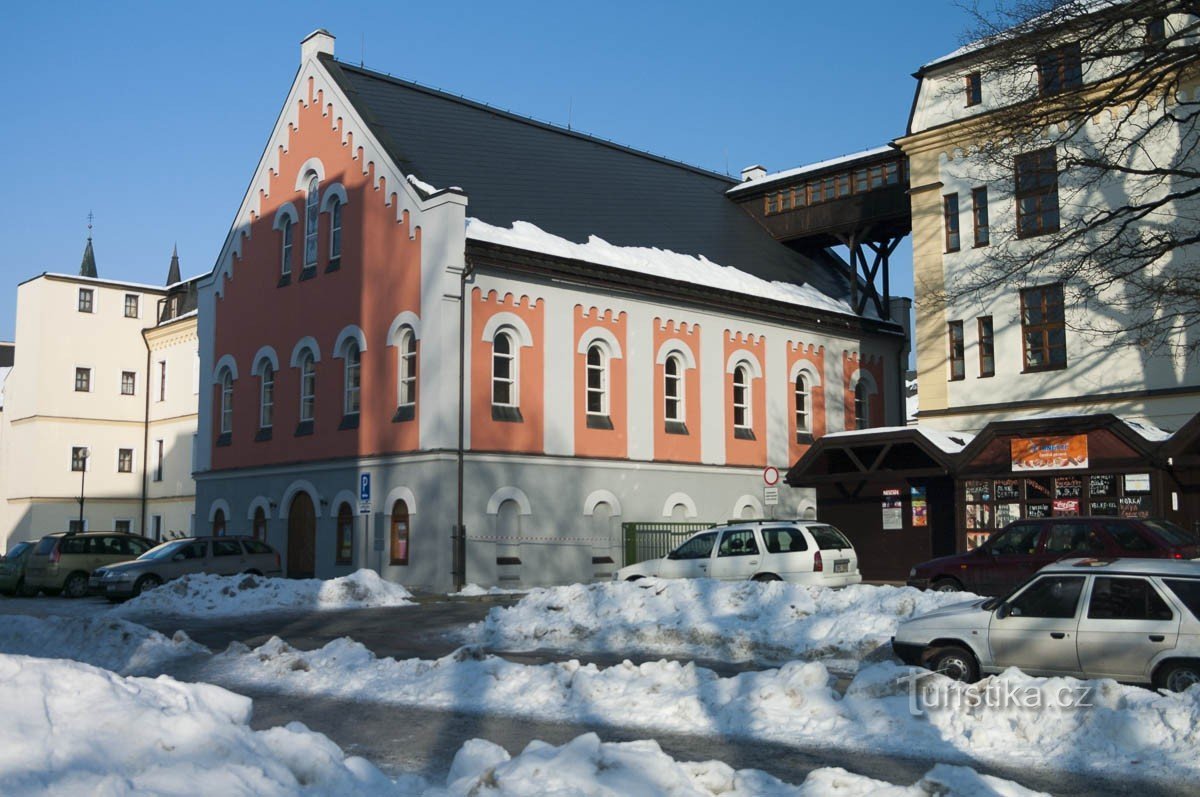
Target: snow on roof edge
<point>949,442</point>
<point>812,167</point>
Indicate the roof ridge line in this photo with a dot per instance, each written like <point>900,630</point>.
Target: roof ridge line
<point>463,100</point>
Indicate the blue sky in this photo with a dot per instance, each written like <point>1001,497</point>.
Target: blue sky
<point>153,115</point>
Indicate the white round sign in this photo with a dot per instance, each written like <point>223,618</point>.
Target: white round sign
<point>771,476</point>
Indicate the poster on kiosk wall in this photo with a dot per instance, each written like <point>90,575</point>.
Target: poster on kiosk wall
<point>1057,452</point>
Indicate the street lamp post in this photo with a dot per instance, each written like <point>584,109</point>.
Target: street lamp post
<point>82,482</point>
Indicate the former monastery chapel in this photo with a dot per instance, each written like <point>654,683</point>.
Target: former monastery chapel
<point>518,330</point>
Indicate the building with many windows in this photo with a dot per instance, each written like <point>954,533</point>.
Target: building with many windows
<point>100,403</point>
<point>521,336</point>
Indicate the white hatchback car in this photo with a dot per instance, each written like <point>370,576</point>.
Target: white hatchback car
<point>802,552</point>
<point>1132,620</point>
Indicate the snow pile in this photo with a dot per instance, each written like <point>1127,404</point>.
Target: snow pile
<point>205,595</point>
<point>476,591</point>
<point>73,729</point>
<point>587,766</point>
<point>655,262</point>
<point>112,644</point>
<point>1125,728</point>
<point>703,618</point>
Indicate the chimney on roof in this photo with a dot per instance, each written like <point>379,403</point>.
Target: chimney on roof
<point>754,172</point>
<point>315,43</point>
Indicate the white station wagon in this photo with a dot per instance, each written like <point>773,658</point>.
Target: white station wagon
<point>1133,620</point>
<point>802,552</point>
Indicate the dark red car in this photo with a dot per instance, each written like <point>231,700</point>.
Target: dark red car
<point>1016,552</point>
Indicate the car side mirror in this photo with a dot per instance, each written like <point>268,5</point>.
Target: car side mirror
<point>1002,611</point>
<point>673,555</point>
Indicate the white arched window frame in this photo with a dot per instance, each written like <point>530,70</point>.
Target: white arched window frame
<point>353,378</point>
<point>312,203</point>
<point>505,369</point>
<point>226,401</point>
<point>308,385</point>
<point>674,410</point>
<point>596,385</point>
<point>803,404</point>
<point>742,418</point>
<point>406,353</point>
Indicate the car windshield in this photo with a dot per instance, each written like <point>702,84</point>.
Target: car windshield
<point>828,538</point>
<point>164,551</point>
<point>1172,534</point>
<point>17,550</point>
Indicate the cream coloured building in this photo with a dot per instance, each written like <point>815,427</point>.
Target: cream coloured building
<point>1040,342</point>
<point>101,401</point>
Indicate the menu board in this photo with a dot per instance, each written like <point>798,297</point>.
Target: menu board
<point>978,492</point>
<point>1035,509</point>
<point>893,514</point>
<point>1007,513</point>
<point>1041,488</point>
<point>1008,490</point>
<point>1105,507</point>
<point>1135,506</point>
<point>1137,483</point>
<point>1068,487</point>
<point>1102,485</point>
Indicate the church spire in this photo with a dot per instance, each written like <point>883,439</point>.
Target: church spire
<point>88,267</point>
<point>173,272</point>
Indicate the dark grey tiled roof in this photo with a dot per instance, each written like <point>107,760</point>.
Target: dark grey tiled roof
<point>569,184</point>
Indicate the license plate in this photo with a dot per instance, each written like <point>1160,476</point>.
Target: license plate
<point>841,566</point>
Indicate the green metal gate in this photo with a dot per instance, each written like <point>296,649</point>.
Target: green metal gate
<point>654,540</point>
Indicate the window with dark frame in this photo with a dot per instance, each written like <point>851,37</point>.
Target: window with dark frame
<point>83,380</point>
<point>335,228</point>
<point>1060,69</point>
<point>79,458</point>
<point>741,398</point>
<point>287,234</point>
<point>1043,328</point>
<point>950,216</point>
<point>162,380</point>
<point>862,407</point>
<point>159,455</point>
<point>987,347</point>
<point>311,217</point>
<point>399,533</point>
<point>1036,193</point>
<point>86,300</point>
<point>958,362</point>
<point>226,402</point>
<point>974,89</point>
<point>308,386</point>
<point>128,383</point>
<point>266,405</point>
<point>673,389</point>
<point>353,385</point>
<point>979,215</point>
<point>345,535</point>
<point>131,305</point>
<point>125,460</point>
<point>1156,31</point>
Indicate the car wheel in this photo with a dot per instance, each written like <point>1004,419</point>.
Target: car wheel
<point>947,585</point>
<point>146,582</point>
<point>764,577</point>
<point>955,662</point>
<point>75,586</point>
<point>1178,676</point>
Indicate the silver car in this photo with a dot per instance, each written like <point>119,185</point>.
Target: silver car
<point>223,556</point>
<point>1133,620</point>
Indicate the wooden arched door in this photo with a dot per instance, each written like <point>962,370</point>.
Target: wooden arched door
<point>302,537</point>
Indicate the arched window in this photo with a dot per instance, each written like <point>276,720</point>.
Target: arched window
<point>399,533</point>
<point>259,528</point>
<point>287,234</point>
<point>226,402</point>
<point>218,524</point>
<point>310,222</point>
<point>741,397</point>
<point>862,409</point>
<point>673,389</point>
<point>504,370</point>
<point>803,410</point>
<point>597,381</point>
<point>407,353</point>
<point>308,386</point>
<point>508,520</point>
<point>266,404</point>
<point>335,228</point>
<point>345,535</point>
<point>353,378</point>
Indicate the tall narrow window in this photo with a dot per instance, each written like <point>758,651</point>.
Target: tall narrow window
<point>218,524</point>
<point>266,405</point>
<point>156,523</point>
<point>408,368</point>
<point>958,365</point>
<point>287,235</point>
<point>979,214</point>
<point>128,383</point>
<point>159,456</point>
<point>308,386</point>
<point>597,381</point>
<point>345,535</point>
<point>162,380</point>
<point>83,380</point>
<point>335,228</point>
<point>79,458</point>
<point>1156,31</point>
<point>131,305</point>
<point>987,347</point>
<point>673,390</point>
<point>862,407</point>
<point>1043,328</point>
<point>1060,69</point>
<point>803,413</point>
<point>86,300</point>
<point>259,527</point>
<point>124,460</point>
<point>1037,193</point>
<point>226,402</point>
<point>950,215</point>
<point>399,533</point>
<point>741,398</point>
<point>974,89</point>
<point>353,378</point>
<point>310,223</point>
<point>504,371</point>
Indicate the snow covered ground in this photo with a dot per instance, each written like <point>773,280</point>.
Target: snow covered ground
<point>113,644</point>
<point>717,620</point>
<point>226,596</point>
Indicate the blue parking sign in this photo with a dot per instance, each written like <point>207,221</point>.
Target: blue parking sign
<point>364,487</point>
